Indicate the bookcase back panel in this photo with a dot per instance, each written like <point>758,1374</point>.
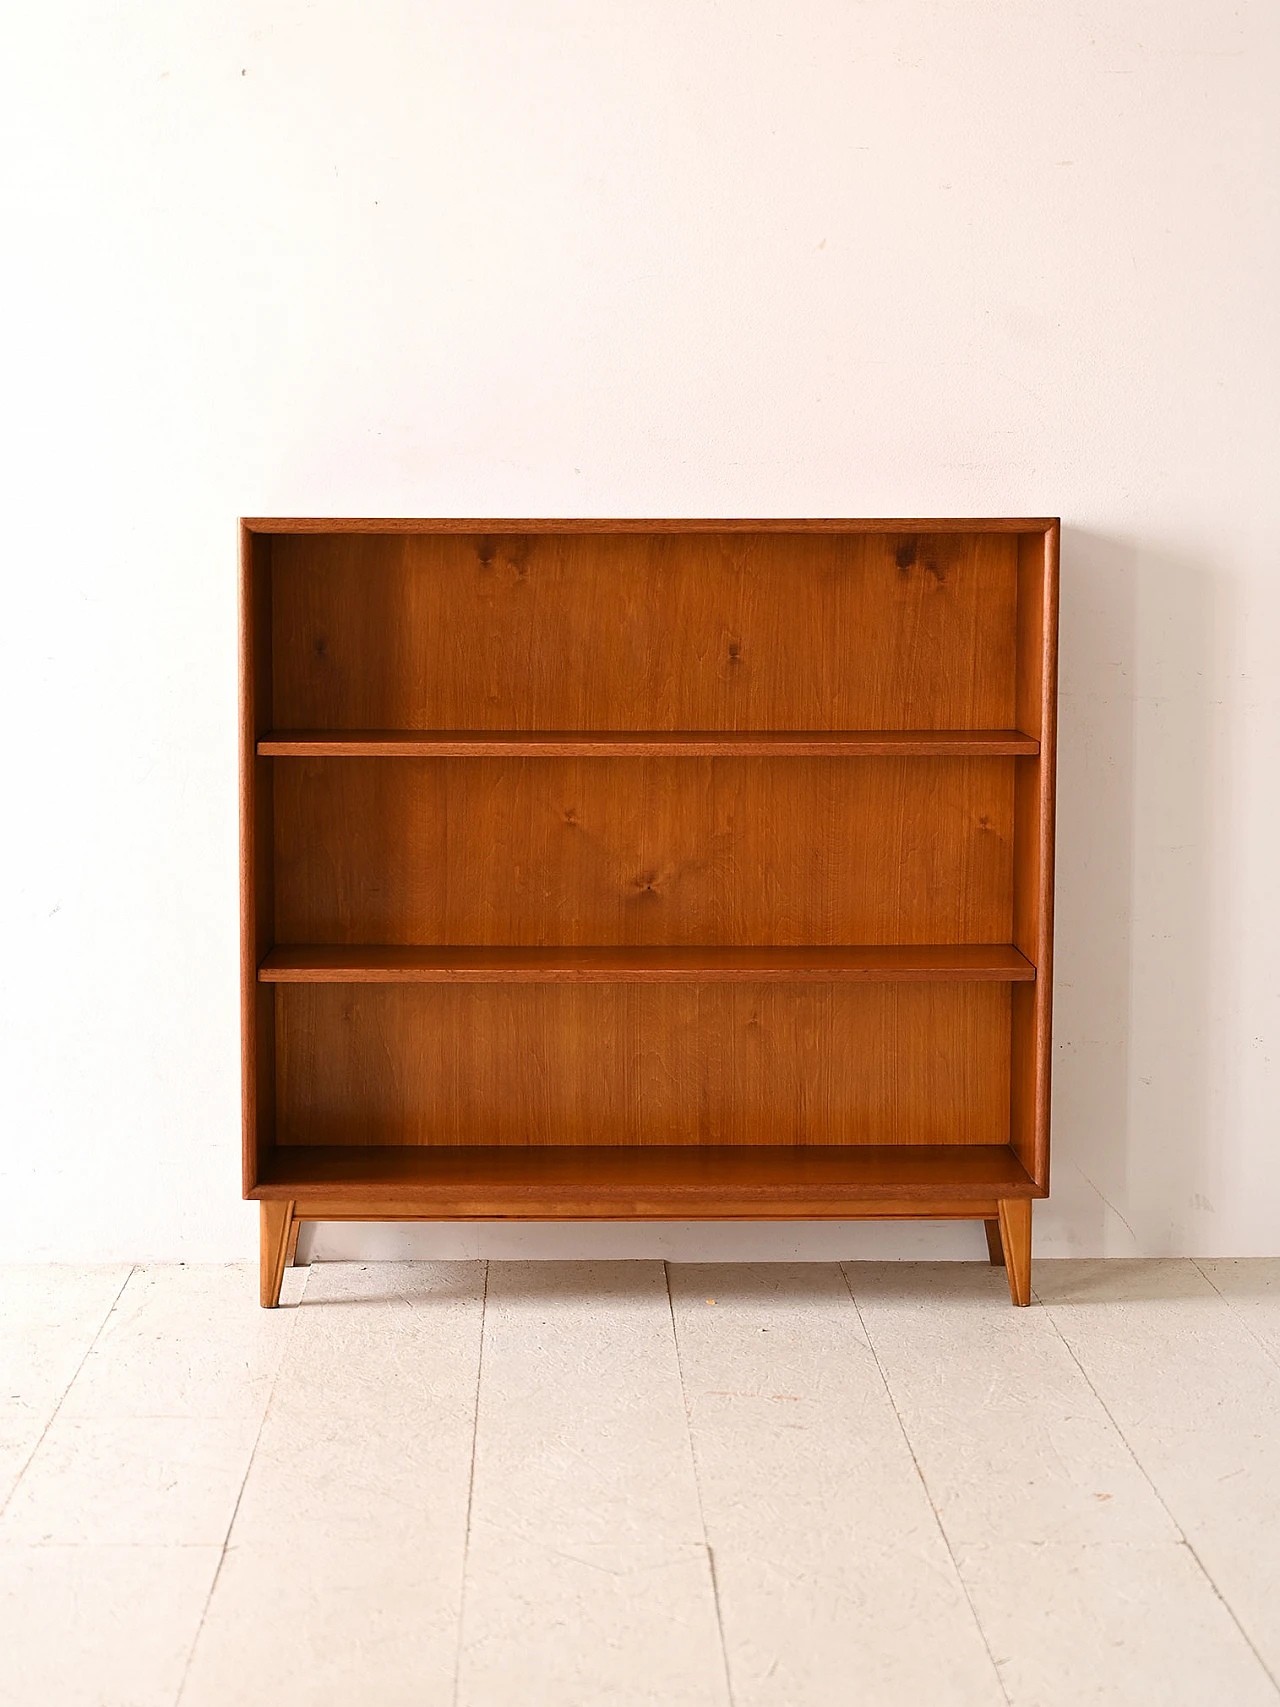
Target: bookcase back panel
<point>643,1064</point>
<point>632,631</point>
<point>540,852</point>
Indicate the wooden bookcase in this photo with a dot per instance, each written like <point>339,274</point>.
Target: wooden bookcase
<point>647,870</point>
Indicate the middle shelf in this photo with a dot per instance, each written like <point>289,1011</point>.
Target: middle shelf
<point>645,743</point>
<point>374,964</point>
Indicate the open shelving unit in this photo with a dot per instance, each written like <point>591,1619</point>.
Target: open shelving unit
<point>661,869</point>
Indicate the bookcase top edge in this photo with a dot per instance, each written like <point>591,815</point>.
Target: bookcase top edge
<point>644,524</point>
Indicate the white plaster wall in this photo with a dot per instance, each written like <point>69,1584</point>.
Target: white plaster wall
<point>828,257</point>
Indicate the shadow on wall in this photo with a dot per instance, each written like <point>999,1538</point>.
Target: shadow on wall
<point>1134,1166</point>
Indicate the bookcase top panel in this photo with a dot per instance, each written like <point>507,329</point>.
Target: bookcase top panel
<point>636,524</point>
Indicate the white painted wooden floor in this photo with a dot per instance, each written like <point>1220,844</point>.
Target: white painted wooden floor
<point>607,1484</point>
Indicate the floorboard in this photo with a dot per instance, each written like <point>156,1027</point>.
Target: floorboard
<point>588,1578</point>
<point>829,1560</point>
<point>342,1580</point>
<point>1193,1385</point>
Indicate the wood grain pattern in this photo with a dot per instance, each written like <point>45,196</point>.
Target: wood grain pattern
<point>714,632</point>
<point>585,744</point>
<point>633,1064</point>
<point>365,964</point>
<point>569,852</point>
<point>479,1181</point>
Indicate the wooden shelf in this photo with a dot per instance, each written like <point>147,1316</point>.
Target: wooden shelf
<point>957,963</point>
<point>644,743</point>
<point>824,1181</point>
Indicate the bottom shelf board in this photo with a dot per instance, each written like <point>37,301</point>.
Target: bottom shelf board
<point>828,1181</point>
<point>951,963</point>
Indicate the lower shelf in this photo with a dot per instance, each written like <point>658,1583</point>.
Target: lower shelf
<point>643,1182</point>
<point>954,963</point>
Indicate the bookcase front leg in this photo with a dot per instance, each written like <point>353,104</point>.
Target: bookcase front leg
<point>1015,1238</point>
<point>275,1229</point>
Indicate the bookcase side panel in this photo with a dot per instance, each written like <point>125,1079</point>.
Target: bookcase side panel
<point>257,836</point>
<point>1033,869</point>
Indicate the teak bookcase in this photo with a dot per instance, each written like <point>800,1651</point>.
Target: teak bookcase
<point>647,869</point>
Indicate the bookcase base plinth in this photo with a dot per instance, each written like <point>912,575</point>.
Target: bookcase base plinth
<point>646,1183</point>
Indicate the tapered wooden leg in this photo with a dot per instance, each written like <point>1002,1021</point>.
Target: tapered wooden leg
<point>276,1223</point>
<point>1015,1236</point>
<point>995,1250</point>
<point>290,1256</point>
